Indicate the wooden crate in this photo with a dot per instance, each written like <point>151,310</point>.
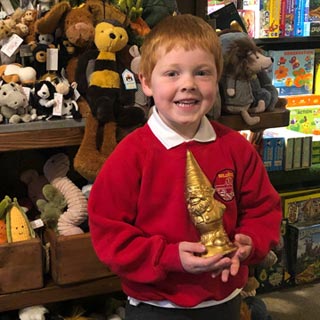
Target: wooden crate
<point>73,260</point>
<point>21,266</point>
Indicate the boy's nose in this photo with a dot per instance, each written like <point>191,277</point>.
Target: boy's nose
<point>188,83</point>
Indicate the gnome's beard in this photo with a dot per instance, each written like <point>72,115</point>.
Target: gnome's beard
<point>198,209</point>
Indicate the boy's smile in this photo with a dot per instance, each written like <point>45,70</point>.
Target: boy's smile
<point>184,87</point>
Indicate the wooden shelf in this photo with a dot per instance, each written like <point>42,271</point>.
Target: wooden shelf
<point>288,43</point>
<point>41,134</point>
<point>296,179</point>
<point>53,293</point>
<point>278,118</point>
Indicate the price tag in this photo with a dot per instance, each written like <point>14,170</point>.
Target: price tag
<point>129,80</point>
<point>27,92</point>
<point>11,45</point>
<point>7,6</point>
<point>35,224</point>
<point>52,59</point>
<point>57,109</point>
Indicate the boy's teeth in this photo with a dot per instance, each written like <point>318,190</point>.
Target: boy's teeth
<point>185,102</point>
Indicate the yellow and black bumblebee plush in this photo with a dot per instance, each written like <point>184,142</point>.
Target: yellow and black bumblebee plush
<point>99,77</point>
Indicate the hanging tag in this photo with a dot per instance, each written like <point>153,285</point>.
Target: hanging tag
<point>77,94</point>
<point>35,224</point>
<point>24,4</point>
<point>11,45</point>
<point>27,92</point>
<point>25,51</point>
<point>129,80</point>
<point>57,109</point>
<point>7,6</point>
<point>52,59</point>
<point>3,15</point>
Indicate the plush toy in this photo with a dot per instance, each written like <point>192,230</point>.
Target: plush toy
<point>3,232</point>
<point>3,207</point>
<point>65,53</point>
<point>55,170</point>
<point>34,183</point>
<point>105,10</point>
<point>52,206</point>
<point>29,18</point>
<point>155,10</point>
<point>243,60</point>
<point>39,53</point>
<point>141,100</point>
<point>76,23</point>
<point>135,25</point>
<point>17,223</point>
<point>36,312</point>
<point>43,98</point>
<point>103,95</point>
<point>15,72</point>
<point>14,106</point>
<point>46,38</point>
<point>70,108</point>
<point>262,88</point>
<point>13,25</point>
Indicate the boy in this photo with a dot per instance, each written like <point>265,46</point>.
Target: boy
<point>139,220</point>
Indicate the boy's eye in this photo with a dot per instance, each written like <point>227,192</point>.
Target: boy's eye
<point>202,73</point>
<point>171,73</point>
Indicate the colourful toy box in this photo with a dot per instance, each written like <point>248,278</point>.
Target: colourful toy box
<point>305,119</point>
<point>272,152</point>
<point>304,253</point>
<point>276,276</point>
<point>302,207</point>
<point>292,71</point>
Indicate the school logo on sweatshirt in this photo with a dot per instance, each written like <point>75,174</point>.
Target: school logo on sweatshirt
<point>224,184</point>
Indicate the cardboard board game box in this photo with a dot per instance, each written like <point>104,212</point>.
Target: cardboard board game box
<point>301,207</point>
<point>292,71</point>
<point>304,253</point>
<point>272,153</point>
<point>275,277</point>
<point>305,119</point>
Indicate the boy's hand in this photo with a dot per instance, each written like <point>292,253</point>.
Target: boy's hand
<point>217,264</point>
<point>244,244</point>
<point>193,263</point>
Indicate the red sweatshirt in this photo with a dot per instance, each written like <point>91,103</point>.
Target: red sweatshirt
<point>138,213</point>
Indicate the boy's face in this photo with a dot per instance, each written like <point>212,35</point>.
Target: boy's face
<point>184,87</point>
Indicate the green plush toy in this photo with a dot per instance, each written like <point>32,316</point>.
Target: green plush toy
<point>52,207</point>
<point>4,204</point>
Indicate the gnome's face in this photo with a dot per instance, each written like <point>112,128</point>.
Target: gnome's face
<point>199,199</point>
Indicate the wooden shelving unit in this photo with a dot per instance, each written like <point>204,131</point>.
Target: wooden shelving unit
<point>69,133</point>
<point>41,134</point>
<point>277,118</point>
<point>289,43</point>
<point>62,133</point>
<point>53,293</point>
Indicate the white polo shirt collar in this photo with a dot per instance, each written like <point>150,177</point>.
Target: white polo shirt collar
<point>170,139</point>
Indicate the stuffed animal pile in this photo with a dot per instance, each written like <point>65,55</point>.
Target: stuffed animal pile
<point>52,54</point>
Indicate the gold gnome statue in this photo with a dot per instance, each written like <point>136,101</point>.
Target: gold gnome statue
<point>206,212</point>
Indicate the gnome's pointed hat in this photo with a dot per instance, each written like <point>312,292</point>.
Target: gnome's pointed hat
<point>195,177</point>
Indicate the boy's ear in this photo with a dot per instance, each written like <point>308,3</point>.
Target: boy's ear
<point>145,85</point>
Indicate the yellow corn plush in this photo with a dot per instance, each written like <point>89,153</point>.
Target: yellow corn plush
<point>17,224</point>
